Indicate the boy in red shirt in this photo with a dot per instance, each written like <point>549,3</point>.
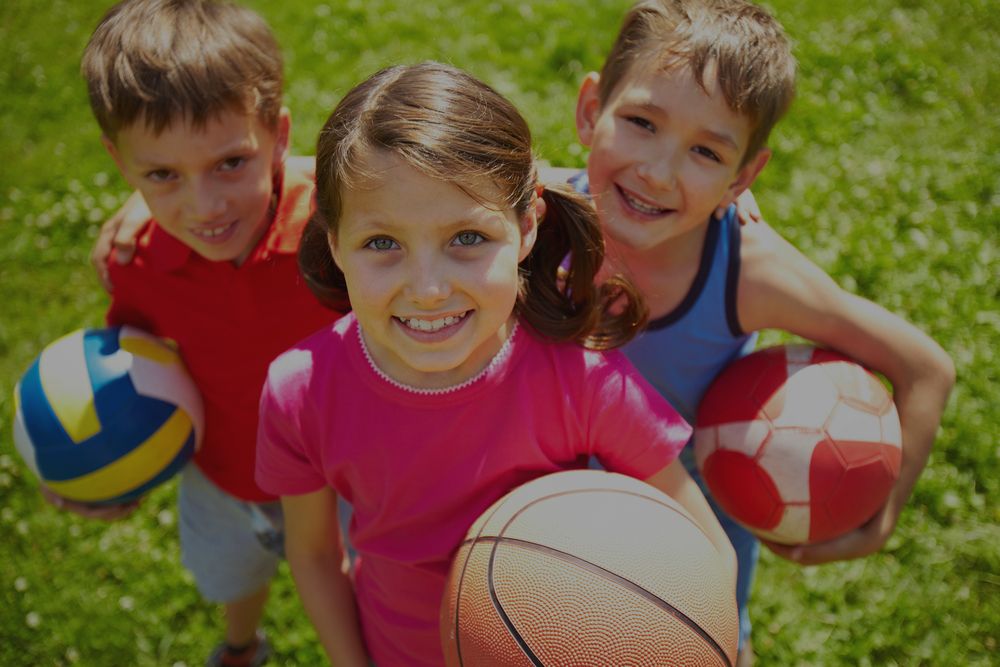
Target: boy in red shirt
<point>188,97</point>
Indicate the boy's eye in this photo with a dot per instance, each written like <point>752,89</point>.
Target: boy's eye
<point>233,163</point>
<point>639,121</point>
<point>707,152</point>
<point>381,243</point>
<point>159,175</point>
<point>468,239</point>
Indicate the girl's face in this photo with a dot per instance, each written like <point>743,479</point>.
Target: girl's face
<point>431,272</point>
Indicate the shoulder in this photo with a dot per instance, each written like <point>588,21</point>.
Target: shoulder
<point>778,284</point>
<point>298,367</point>
<point>295,205</point>
<point>556,175</point>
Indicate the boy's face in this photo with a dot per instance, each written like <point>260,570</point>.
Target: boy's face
<point>211,187</point>
<point>664,154</point>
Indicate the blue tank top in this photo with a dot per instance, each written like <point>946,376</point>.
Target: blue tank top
<point>683,351</point>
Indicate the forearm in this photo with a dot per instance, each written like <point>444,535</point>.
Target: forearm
<point>328,598</point>
<point>920,401</point>
<point>675,482</point>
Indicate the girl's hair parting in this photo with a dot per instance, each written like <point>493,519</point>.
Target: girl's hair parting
<point>451,126</point>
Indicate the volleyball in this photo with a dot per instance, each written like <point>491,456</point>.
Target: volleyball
<point>104,415</point>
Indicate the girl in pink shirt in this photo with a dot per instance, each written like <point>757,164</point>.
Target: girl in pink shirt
<point>463,370</point>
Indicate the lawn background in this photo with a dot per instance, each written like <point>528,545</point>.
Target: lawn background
<point>886,174</point>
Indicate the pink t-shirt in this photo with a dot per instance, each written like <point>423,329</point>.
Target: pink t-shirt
<point>419,466</point>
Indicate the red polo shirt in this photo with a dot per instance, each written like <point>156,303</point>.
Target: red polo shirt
<point>228,321</point>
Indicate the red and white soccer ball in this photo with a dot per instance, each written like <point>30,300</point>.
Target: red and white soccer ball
<point>799,444</point>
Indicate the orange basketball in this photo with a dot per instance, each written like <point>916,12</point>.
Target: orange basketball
<point>588,568</point>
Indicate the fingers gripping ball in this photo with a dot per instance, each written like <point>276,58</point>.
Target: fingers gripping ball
<point>798,443</point>
<point>104,415</point>
<point>585,569</point>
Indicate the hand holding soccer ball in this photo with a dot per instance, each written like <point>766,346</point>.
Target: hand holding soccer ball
<point>799,444</point>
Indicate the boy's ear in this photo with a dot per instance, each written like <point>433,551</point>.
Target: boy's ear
<point>282,145</point>
<point>746,176</point>
<point>588,108</point>
<point>529,226</point>
<point>115,155</point>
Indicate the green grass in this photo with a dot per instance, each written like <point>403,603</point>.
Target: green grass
<point>885,174</point>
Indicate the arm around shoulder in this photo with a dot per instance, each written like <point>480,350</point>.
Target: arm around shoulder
<point>781,289</point>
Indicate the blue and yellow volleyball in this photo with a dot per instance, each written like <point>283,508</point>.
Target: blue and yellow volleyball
<point>104,415</point>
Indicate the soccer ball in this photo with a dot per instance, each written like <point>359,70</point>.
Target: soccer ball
<point>104,415</point>
<point>799,444</point>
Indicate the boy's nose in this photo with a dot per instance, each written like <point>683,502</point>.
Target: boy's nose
<point>205,203</point>
<point>659,171</point>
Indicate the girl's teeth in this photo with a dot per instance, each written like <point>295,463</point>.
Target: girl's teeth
<point>430,325</point>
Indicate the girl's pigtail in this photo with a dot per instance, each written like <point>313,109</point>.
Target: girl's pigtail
<point>321,273</point>
<point>561,299</point>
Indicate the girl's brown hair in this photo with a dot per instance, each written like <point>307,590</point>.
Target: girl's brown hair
<point>452,127</point>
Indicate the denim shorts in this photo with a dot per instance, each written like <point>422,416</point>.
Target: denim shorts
<point>232,547</point>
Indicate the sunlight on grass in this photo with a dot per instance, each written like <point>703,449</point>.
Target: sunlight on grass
<point>885,173</point>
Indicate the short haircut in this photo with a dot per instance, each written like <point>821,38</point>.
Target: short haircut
<point>157,61</point>
<point>745,44</point>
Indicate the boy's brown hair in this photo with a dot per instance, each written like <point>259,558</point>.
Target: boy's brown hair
<point>743,42</point>
<point>157,61</point>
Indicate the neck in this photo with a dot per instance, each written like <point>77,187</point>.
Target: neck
<point>663,273</point>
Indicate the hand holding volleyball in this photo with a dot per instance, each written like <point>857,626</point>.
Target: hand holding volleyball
<point>104,415</point>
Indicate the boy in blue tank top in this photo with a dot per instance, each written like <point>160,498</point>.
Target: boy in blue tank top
<point>676,123</point>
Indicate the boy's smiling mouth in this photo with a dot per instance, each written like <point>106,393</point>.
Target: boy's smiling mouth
<point>213,232</point>
<point>636,204</point>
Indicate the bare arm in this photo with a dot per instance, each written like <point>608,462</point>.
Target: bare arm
<point>780,288</point>
<point>675,481</point>
<point>314,552</point>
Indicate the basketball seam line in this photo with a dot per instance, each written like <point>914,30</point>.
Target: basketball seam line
<point>617,578</point>
<point>643,592</point>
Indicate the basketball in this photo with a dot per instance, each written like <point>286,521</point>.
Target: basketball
<point>588,568</point>
<point>104,415</point>
<point>797,443</point>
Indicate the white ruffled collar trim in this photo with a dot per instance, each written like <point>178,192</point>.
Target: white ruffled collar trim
<point>501,356</point>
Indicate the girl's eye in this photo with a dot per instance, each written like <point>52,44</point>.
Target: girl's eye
<point>639,121</point>
<point>232,164</point>
<point>707,152</point>
<point>468,239</point>
<point>381,243</point>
